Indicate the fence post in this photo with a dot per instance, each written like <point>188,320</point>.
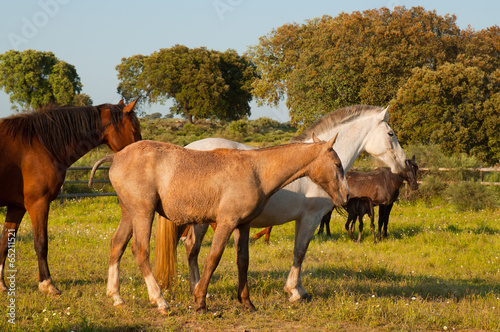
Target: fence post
<point>61,200</point>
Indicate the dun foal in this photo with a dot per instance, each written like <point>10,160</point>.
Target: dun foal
<point>226,186</point>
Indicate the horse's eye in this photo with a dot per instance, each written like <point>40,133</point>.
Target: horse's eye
<point>391,133</point>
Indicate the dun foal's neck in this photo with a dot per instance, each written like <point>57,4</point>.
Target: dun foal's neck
<point>279,166</point>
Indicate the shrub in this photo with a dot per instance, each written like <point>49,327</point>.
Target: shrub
<point>470,195</point>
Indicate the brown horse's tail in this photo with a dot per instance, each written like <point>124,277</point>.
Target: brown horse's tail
<point>167,238</point>
<point>106,159</point>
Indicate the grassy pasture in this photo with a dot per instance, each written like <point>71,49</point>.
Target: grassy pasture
<point>438,270</point>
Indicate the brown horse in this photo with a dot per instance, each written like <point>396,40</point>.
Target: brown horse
<point>226,186</point>
<point>381,186</point>
<point>36,149</point>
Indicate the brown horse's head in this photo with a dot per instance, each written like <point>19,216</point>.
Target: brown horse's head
<point>329,174</point>
<point>410,173</point>
<point>121,129</point>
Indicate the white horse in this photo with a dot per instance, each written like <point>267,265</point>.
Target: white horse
<point>361,128</point>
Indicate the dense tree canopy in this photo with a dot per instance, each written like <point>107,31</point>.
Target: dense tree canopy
<point>203,83</point>
<point>34,79</point>
<point>442,80</point>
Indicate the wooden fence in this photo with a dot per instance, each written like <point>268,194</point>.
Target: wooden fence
<point>64,195</point>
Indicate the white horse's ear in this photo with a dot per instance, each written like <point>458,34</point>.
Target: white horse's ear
<point>315,138</point>
<point>384,115</point>
<point>332,141</point>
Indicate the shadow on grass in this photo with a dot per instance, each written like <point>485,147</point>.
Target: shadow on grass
<point>378,281</point>
<point>387,284</point>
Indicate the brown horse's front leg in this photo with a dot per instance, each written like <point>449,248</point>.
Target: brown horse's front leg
<point>10,227</point>
<point>39,213</point>
<point>241,234</point>
<point>221,236</point>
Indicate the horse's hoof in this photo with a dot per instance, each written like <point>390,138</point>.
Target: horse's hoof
<point>250,307</point>
<point>306,298</point>
<point>164,311</point>
<point>48,288</point>
<point>202,309</point>
<point>117,300</point>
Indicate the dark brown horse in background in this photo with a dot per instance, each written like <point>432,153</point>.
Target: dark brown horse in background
<point>36,149</point>
<point>381,186</point>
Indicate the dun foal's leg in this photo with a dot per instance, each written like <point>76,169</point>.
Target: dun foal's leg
<point>221,236</point>
<point>193,243</point>
<point>118,245</point>
<point>10,227</point>
<point>142,223</point>
<point>39,213</point>
<point>241,234</point>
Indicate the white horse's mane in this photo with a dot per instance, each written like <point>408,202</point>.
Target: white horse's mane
<point>335,118</point>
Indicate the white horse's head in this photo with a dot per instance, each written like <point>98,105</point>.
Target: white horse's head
<point>382,144</point>
<point>361,128</point>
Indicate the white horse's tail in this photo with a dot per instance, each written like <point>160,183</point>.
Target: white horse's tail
<point>106,159</point>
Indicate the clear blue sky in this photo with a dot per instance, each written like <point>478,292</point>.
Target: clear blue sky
<point>93,35</point>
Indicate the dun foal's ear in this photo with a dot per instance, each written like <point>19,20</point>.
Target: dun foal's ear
<point>130,107</point>
<point>315,138</point>
<point>332,141</point>
<point>121,103</point>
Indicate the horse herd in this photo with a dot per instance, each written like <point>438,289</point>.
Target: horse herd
<point>214,180</point>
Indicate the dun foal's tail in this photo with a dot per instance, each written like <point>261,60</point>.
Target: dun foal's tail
<point>107,159</point>
<point>167,237</point>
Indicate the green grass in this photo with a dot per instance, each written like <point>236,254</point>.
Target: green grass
<point>439,269</point>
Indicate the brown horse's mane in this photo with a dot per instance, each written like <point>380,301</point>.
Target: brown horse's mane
<point>58,128</point>
<point>342,115</point>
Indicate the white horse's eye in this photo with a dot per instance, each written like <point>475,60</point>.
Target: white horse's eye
<point>391,133</point>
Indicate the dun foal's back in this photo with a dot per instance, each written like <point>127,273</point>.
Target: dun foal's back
<point>229,187</point>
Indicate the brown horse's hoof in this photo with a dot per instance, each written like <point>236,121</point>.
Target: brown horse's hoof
<point>250,307</point>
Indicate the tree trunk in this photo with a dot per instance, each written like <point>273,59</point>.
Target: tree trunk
<point>189,117</point>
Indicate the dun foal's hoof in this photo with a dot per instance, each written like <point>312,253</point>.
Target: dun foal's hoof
<point>3,288</point>
<point>47,287</point>
<point>202,309</point>
<point>164,311</point>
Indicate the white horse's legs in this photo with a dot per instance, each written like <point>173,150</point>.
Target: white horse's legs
<point>304,231</point>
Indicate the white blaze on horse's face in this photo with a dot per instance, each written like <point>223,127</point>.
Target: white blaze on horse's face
<point>387,148</point>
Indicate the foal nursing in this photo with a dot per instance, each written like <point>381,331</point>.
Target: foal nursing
<point>229,187</point>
